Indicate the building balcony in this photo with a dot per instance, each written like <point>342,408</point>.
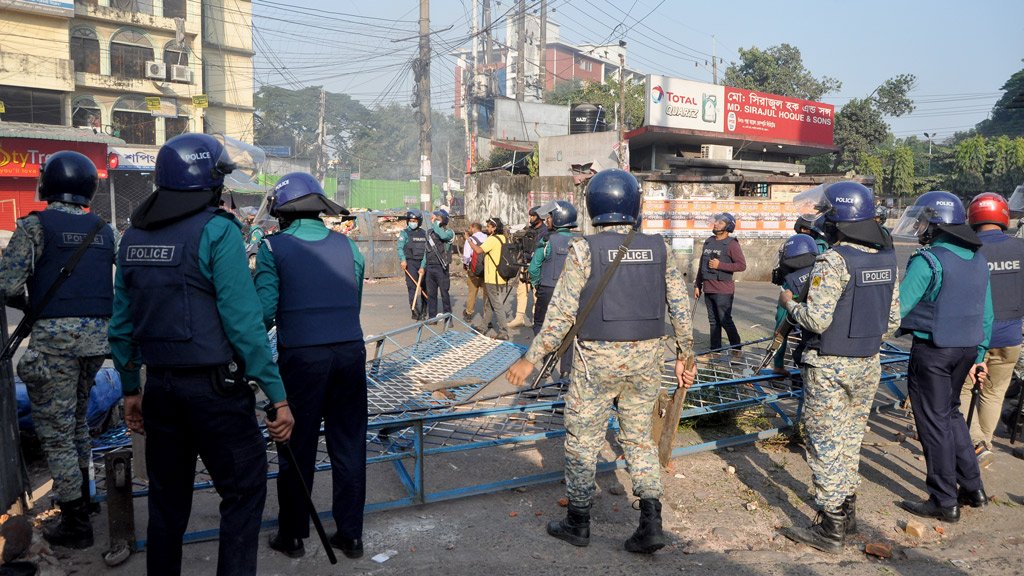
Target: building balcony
<point>86,82</point>
<point>193,25</point>
<point>31,71</point>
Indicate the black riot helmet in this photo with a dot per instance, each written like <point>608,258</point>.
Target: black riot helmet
<point>613,197</point>
<point>68,177</point>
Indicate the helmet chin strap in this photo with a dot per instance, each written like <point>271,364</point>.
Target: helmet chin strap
<point>928,235</point>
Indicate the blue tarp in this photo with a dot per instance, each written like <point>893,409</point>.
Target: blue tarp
<point>104,396</point>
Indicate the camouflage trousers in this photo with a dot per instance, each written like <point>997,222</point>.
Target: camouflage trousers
<point>837,401</point>
<point>58,388</point>
<point>603,372</point>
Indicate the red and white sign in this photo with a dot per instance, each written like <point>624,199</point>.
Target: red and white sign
<point>22,157</point>
<point>778,118</point>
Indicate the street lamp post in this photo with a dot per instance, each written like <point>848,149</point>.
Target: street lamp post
<point>929,137</point>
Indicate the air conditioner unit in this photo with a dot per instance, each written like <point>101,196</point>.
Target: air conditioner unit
<point>180,73</point>
<point>715,152</point>
<point>156,70</point>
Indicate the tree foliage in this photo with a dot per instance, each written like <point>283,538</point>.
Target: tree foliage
<point>901,173</point>
<point>860,124</point>
<point>969,160</point>
<point>606,95</point>
<point>778,70</point>
<point>1007,117</point>
<point>290,118</point>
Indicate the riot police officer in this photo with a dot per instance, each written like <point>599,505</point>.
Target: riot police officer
<point>619,354</point>
<point>989,215</point>
<point>548,261</point>
<point>437,261</point>
<point>68,339</point>
<point>185,306</point>
<point>536,231</point>
<point>412,248</point>
<point>852,302</point>
<point>813,228</point>
<point>310,281</point>
<point>946,303</point>
<point>795,262</point>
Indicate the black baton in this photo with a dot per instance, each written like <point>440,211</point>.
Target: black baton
<point>286,448</point>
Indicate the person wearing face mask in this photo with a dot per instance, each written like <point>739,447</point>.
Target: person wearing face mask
<point>412,247</point>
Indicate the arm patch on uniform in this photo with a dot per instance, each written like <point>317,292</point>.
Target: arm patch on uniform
<point>816,281</point>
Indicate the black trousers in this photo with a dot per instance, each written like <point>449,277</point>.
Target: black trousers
<point>325,383</point>
<point>541,300</point>
<point>413,266</point>
<point>185,418</point>
<point>935,377</point>
<point>720,316</point>
<point>438,285</point>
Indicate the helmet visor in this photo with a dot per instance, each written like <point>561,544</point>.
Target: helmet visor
<point>913,222</point>
<point>547,208</point>
<point>240,163</point>
<point>812,203</point>
<point>1016,201</point>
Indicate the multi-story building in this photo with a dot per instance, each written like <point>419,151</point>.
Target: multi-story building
<point>94,63</point>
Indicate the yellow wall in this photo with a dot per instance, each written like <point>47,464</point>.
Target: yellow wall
<point>34,51</point>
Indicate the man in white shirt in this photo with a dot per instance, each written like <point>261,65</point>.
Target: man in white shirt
<point>474,282</point>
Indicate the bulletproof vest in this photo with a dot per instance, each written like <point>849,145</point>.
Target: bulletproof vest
<point>955,318</point>
<point>861,316</point>
<point>715,248</point>
<point>632,306</point>
<point>318,290</point>
<point>1005,256</point>
<point>437,253</point>
<point>551,269</point>
<point>415,244</point>
<point>173,306</point>
<point>797,280</point>
<point>89,291</point>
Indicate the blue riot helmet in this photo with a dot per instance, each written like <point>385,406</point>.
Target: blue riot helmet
<point>413,215</point>
<point>935,212</point>
<point>443,214</point>
<point>727,219</point>
<point>613,197</point>
<point>300,193</point>
<point>848,209</point>
<point>799,251</point>
<point>194,162</point>
<point>68,177</point>
<point>562,213</point>
<point>814,225</point>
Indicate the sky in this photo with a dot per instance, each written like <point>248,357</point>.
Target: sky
<point>961,53</point>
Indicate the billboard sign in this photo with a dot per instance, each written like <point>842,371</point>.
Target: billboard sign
<point>737,113</point>
<point>65,8</point>
<point>136,158</point>
<point>22,157</point>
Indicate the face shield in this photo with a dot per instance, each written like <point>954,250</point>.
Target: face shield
<point>812,203</point>
<point>913,222</point>
<point>240,163</point>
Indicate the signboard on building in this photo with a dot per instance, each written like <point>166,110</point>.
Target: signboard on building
<point>22,157</point>
<point>279,151</point>
<point>65,8</point>
<point>138,158</point>
<point>737,113</point>
<point>201,101</point>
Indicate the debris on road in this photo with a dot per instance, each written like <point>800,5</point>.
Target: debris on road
<point>878,549</point>
<point>914,529</point>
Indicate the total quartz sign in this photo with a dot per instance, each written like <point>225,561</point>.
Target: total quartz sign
<point>677,103</point>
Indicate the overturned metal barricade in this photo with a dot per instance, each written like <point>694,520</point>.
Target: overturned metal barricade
<point>429,398</point>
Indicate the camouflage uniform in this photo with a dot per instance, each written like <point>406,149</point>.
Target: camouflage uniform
<point>1018,370</point>
<point>838,391</point>
<point>59,366</point>
<point>604,371</point>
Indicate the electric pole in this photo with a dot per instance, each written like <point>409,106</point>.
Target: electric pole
<point>543,48</point>
<point>471,93</point>
<point>714,62</point>
<point>321,138</point>
<point>623,152</point>
<point>520,50</point>
<point>422,73</point>
<point>488,48</point>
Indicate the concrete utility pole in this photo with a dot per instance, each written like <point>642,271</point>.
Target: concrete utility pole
<point>714,62</point>
<point>471,93</point>
<point>623,152</point>
<point>422,73</point>
<point>520,50</point>
<point>488,49</point>
<point>543,52</point>
<point>321,140</point>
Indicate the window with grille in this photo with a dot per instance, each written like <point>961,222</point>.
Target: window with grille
<point>129,51</point>
<point>85,50</point>
<point>86,113</point>
<point>175,126</point>
<point>175,8</point>
<point>132,122</point>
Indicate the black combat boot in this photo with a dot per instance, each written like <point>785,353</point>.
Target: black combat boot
<point>826,534</point>
<point>575,528</point>
<point>648,537</point>
<point>850,508</point>
<point>74,529</point>
<point>93,507</point>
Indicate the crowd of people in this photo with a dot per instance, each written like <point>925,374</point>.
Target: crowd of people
<point>182,302</point>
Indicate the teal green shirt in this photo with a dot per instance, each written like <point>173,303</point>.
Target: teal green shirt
<point>822,245</point>
<point>540,254</point>
<point>222,261</point>
<point>267,280</point>
<point>446,237</point>
<point>919,276</point>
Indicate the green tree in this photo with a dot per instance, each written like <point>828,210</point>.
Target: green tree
<point>1007,118</point>
<point>860,124</point>
<point>872,166</point>
<point>387,145</point>
<point>970,158</point>
<point>290,118</point>
<point>901,178</point>
<point>778,70</point>
<point>606,95</point>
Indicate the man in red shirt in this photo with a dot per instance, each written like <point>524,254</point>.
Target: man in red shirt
<point>720,257</point>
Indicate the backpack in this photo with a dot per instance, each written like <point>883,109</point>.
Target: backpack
<point>476,262</point>
<point>506,265</point>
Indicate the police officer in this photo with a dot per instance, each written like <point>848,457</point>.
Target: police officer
<point>619,354</point>
<point>549,260</point>
<point>813,228</point>
<point>185,306</point>
<point>412,247</point>
<point>310,281</point>
<point>797,258</point>
<point>946,303</point>
<point>437,261</point>
<point>536,231</point>
<point>721,257</point>
<point>989,216</point>
<point>69,337</point>
<point>851,303</point>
